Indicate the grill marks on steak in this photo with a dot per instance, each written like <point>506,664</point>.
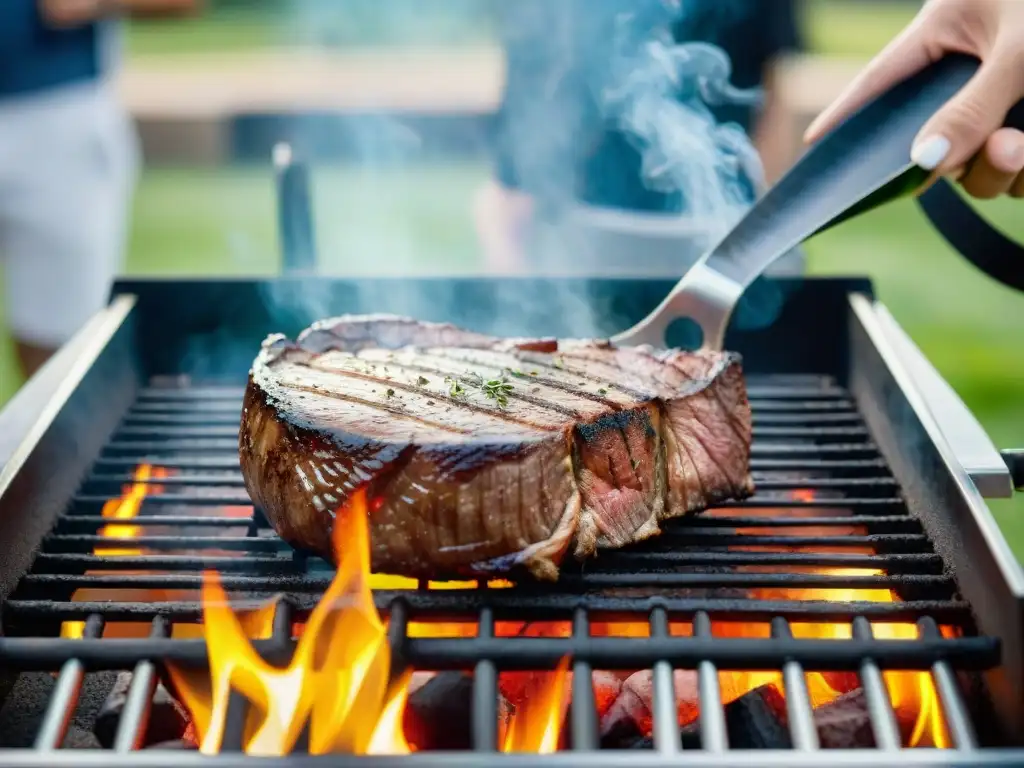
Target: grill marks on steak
<point>594,446</point>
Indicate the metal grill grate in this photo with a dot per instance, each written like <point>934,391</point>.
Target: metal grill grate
<point>826,504</point>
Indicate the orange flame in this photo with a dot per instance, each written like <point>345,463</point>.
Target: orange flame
<point>337,679</point>
<point>124,508</point>
<point>537,727</point>
<point>912,694</point>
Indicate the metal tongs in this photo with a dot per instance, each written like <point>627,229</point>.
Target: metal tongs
<point>860,165</point>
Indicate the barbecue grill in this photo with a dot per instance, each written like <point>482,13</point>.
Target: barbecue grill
<point>871,475</point>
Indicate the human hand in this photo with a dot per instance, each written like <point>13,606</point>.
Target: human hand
<point>965,139</point>
<point>503,219</point>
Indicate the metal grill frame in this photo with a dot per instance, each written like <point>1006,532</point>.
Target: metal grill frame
<point>937,491</point>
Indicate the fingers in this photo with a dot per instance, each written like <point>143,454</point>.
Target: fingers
<point>961,128</point>
<point>999,168</point>
<point>906,54</point>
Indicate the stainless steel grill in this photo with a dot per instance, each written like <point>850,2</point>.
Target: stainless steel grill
<point>851,474</point>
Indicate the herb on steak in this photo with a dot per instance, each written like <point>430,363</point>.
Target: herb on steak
<point>497,390</point>
<point>454,387</point>
<point>422,381</point>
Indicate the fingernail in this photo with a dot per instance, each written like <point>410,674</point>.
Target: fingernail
<point>929,153</point>
<point>1014,157</point>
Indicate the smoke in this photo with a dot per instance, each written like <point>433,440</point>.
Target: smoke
<point>659,93</point>
<point>615,60</point>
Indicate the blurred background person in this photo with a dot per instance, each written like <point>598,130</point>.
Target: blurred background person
<point>552,146</point>
<point>68,163</point>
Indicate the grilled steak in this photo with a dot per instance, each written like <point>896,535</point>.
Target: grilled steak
<point>481,454</point>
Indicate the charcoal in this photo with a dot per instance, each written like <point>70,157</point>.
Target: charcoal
<point>176,744</point>
<point>25,706</point>
<point>79,738</point>
<point>756,720</point>
<point>845,723</point>
<point>630,717</point>
<point>439,713</point>
<point>168,720</point>
<point>607,687</point>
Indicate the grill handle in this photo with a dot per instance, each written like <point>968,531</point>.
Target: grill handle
<point>1015,461</point>
<point>294,211</point>
<point>979,242</point>
<point>992,473</point>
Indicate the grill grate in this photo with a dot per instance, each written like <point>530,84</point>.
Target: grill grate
<point>826,500</point>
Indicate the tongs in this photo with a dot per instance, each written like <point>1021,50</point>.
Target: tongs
<point>860,165</point>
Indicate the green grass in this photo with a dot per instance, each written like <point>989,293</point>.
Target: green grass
<point>854,28</point>
<point>858,28</point>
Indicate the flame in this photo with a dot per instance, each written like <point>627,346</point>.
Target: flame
<point>537,726</point>
<point>124,508</point>
<point>337,680</point>
<point>913,694</point>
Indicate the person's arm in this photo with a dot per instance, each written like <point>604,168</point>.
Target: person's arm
<point>772,131</point>
<point>73,13</point>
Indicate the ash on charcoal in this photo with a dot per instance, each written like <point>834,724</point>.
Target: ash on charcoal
<point>177,744</point>
<point>79,738</point>
<point>607,687</point>
<point>439,713</point>
<point>25,706</point>
<point>629,720</point>
<point>168,719</point>
<point>845,723</point>
<point>759,720</point>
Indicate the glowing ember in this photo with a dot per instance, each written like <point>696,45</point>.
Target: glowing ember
<point>337,678</point>
<point>124,508</point>
<point>536,727</point>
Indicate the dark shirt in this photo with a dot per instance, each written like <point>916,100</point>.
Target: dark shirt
<point>35,57</point>
<point>551,139</point>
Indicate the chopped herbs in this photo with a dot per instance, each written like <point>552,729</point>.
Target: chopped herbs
<point>533,373</point>
<point>423,381</point>
<point>497,390</point>
<point>390,393</point>
<point>635,463</point>
<point>454,387</point>
<point>430,402</point>
<point>602,391</point>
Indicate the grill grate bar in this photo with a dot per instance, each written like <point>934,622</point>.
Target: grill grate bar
<point>581,582</point>
<point>531,653</point>
<point>764,482</point>
<point>584,724</point>
<point>485,691</point>
<point>798,697</point>
<point>131,727</point>
<point>664,724</point>
<point>680,537</point>
<point>905,523</point>
<point>61,706</point>
<point>954,711</point>
<point>893,563</point>
<point>538,607</point>
<point>229,463</point>
<point>883,718</point>
<point>713,733</point>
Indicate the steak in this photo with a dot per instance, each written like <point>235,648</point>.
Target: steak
<point>482,455</point>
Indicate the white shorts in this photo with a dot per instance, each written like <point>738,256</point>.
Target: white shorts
<point>68,164</point>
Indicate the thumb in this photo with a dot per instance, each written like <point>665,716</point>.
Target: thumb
<point>959,130</point>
